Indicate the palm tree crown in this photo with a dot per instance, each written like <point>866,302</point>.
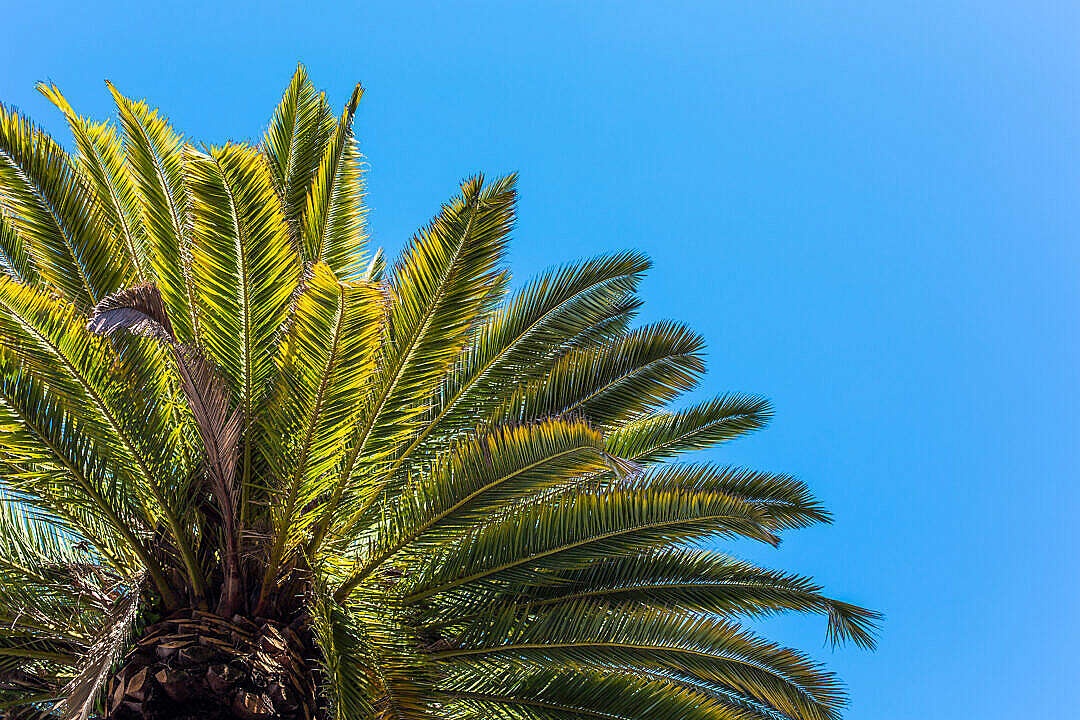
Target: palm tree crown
<point>250,471</point>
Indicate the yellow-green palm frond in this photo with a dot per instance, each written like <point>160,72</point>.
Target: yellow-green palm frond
<point>573,304</point>
<point>154,153</point>
<point>324,368</point>
<point>51,210</point>
<point>15,259</point>
<point>247,270</point>
<point>372,667</point>
<point>246,267</point>
<point>445,284</point>
<point>333,219</point>
<point>126,420</point>
<point>50,466</point>
<point>102,162</point>
<point>294,145</point>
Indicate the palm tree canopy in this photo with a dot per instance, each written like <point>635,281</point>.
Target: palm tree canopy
<point>216,407</point>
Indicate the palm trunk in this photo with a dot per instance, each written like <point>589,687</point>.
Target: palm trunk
<point>199,666</point>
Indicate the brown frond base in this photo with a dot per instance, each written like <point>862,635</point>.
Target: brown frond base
<point>198,666</point>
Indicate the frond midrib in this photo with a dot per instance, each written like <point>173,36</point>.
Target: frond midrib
<point>410,599</point>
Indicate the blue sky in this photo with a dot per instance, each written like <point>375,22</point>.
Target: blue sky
<point>869,210</point>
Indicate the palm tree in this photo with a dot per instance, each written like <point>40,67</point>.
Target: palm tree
<point>249,472</point>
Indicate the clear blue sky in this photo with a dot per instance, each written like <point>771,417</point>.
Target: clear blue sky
<point>868,208</point>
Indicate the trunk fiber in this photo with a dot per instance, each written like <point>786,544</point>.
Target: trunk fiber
<point>199,666</point>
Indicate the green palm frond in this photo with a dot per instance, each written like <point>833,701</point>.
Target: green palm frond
<point>714,651</point>
<point>246,267</point>
<point>372,666</point>
<point>492,470</point>
<point>38,561</point>
<point>154,153</point>
<point>690,580</point>
<point>49,207</point>
<point>439,291</point>
<point>294,145</point>
<point>782,501</point>
<point>248,270</point>
<point>586,525</point>
<point>376,267</point>
<point>101,160</point>
<point>15,259</point>
<point>126,421</point>
<point>552,694</point>
<point>52,631</point>
<point>441,288</point>
<point>664,435</point>
<point>53,345</point>
<point>50,464</point>
<point>333,220</point>
<point>479,476</point>
<point>324,366</point>
<point>570,305</point>
<point>617,381</point>
<point>346,655</point>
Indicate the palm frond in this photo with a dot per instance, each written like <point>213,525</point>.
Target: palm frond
<point>294,145</point>
<point>139,310</point>
<point>585,525</point>
<point>690,580</point>
<point>247,270</point>
<point>376,267</point>
<point>46,468</point>
<point>703,648</point>
<point>560,307</point>
<point>47,457</point>
<point>616,382</point>
<point>80,369</point>
<point>333,220</point>
<point>245,265</point>
<point>63,600</point>
<point>154,154</point>
<point>81,693</point>
<point>373,651</point>
<point>346,657</point>
<point>483,474</point>
<point>783,501</point>
<point>439,290</point>
<point>15,259</point>
<point>46,576</point>
<point>50,208</point>
<point>606,694</point>
<point>102,162</point>
<point>324,366</point>
<point>664,435</point>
